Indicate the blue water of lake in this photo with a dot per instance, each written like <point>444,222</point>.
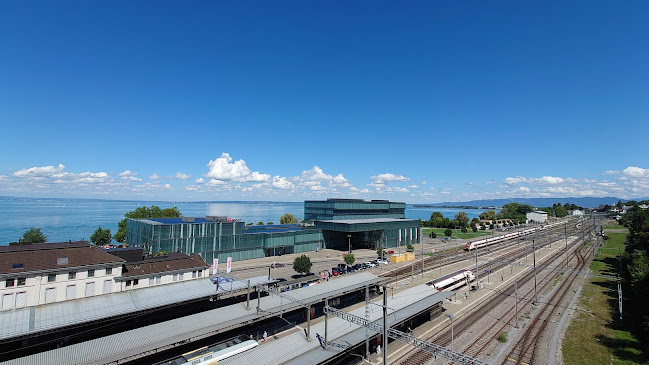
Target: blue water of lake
<point>76,219</point>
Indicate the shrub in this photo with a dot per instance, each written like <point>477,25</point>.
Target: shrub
<point>502,337</point>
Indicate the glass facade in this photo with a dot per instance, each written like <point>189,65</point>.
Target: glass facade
<point>221,240</point>
<point>358,234</point>
<point>339,209</point>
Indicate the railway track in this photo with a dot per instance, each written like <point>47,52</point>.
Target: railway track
<point>525,349</point>
<point>483,310</point>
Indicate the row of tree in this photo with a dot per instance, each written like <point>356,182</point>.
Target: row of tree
<point>635,267</point>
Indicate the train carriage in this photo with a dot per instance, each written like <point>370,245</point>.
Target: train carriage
<point>452,281</point>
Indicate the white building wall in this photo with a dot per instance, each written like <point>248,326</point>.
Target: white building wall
<point>36,286</point>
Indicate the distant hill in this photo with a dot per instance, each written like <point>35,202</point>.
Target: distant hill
<point>586,202</point>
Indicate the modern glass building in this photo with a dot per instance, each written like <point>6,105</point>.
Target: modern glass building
<point>369,233</point>
<point>338,209</point>
<point>220,237</point>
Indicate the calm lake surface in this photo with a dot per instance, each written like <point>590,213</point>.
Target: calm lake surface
<point>76,219</point>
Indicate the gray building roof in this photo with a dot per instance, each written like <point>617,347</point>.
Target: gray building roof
<point>295,349</point>
<point>131,343</point>
<point>25,321</point>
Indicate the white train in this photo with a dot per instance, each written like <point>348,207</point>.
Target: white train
<point>210,355</point>
<point>492,240</point>
<point>452,281</point>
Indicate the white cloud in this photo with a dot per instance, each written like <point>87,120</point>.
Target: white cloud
<point>550,180</point>
<point>413,186</point>
<point>182,176</point>
<point>200,180</point>
<point>43,171</point>
<point>318,188</point>
<point>215,182</point>
<point>129,175</point>
<point>4,178</point>
<point>154,176</point>
<point>315,174</point>
<point>635,172</point>
<point>339,181</point>
<point>222,169</point>
<point>389,177</point>
<point>514,180</point>
<point>489,182</point>
<point>192,188</point>
<point>612,172</point>
<point>282,183</point>
<point>424,182</point>
<point>153,186</point>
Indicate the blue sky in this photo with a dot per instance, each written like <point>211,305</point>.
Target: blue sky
<point>419,102</point>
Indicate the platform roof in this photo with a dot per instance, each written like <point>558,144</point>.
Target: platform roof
<point>127,344</point>
<point>358,225</point>
<point>295,349</point>
<point>26,321</point>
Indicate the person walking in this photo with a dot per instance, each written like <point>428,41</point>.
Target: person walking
<point>265,335</point>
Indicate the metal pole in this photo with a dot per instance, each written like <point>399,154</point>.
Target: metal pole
<point>516,301</point>
<point>385,325</point>
<point>308,323</point>
<point>452,347</point>
<point>367,318</point>
<point>477,280</point>
<point>536,299</point>
<point>566,232</point>
<point>349,238</point>
<point>258,299</point>
<point>421,237</point>
<point>248,297</point>
<point>326,326</point>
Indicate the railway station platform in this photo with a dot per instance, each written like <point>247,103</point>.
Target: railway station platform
<point>295,349</point>
<point>143,341</point>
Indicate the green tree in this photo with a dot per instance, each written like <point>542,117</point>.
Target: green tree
<point>462,218</point>
<point>436,220</point>
<point>491,226</point>
<point>448,232</point>
<point>515,211</point>
<point>474,228</point>
<point>302,264</point>
<point>410,247</point>
<point>101,236</point>
<point>488,215</point>
<point>432,234</point>
<point>249,224</point>
<point>260,223</point>
<point>287,219</point>
<point>379,250</point>
<point>33,235</point>
<point>464,230</point>
<point>559,211</point>
<point>269,223</point>
<point>144,213</point>
<point>349,258</point>
<point>483,227</point>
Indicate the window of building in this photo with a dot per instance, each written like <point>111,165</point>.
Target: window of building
<point>62,261</point>
<point>91,273</point>
<point>200,273</point>
<point>90,289</point>
<point>109,271</point>
<point>128,283</point>
<point>17,265</point>
<point>8,301</point>
<point>108,286</point>
<point>70,292</point>
<point>72,275</point>
<point>21,299</point>
<point>51,278</point>
<point>151,281</point>
<point>50,295</point>
<point>22,281</point>
<point>135,282</point>
<point>10,283</point>
<point>175,277</point>
<point>193,274</point>
<point>158,279</point>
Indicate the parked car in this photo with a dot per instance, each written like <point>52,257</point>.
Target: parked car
<point>358,267</point>
<point>336,271</point>
<point>370,264</point>
<point>275,265</point>
<point>385,262</point>
<point>390,252</point>
<point>350,269</point>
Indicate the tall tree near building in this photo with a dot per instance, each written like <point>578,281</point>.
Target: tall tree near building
<point>488,215</point>
<point>349,258</point>
<point>462,218</point>
<point>287,219</point>
<point>143,213</point>
<point>302,264</point>
<point>101,236</point>
<point>33,235</point>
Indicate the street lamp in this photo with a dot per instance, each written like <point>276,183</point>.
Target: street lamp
<point>349,238</point>
<point>450,316</point>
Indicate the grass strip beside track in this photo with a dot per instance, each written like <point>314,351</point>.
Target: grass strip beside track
<point>456,233</point>
<point>594,335</point>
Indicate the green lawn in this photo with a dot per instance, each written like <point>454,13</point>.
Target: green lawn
<point>456,233</point>
<point>614,226</point>
<point>595,335</point>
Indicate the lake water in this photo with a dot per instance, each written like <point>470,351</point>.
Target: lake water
<point>76,219</point>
